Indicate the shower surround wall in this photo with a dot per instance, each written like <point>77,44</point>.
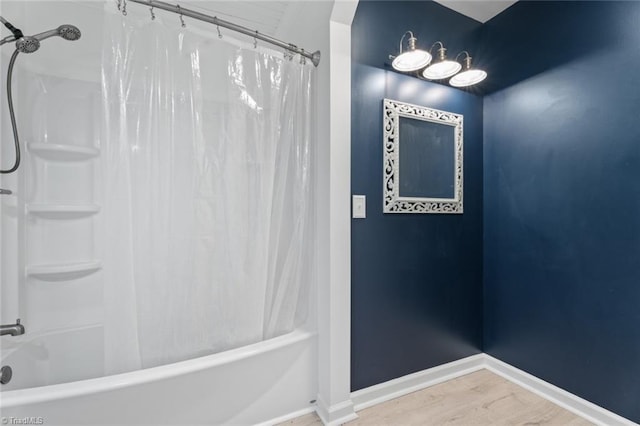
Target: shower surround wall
<point>562,197</point>
<point>52,257</point>
<point>53,254</point>
<point>416,278</point>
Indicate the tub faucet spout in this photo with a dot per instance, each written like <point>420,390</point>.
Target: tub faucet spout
<point>16,329</point>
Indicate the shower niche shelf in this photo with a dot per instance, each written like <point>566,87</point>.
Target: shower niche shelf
<point>58,152</point>
<point>62,211</point>
<point>63,272</point>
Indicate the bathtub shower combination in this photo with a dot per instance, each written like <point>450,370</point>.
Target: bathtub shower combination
<point>157,237</point>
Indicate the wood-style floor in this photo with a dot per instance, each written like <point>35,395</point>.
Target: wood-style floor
<point>480,398</point>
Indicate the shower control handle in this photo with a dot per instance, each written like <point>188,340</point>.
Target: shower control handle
<point>5,374</point>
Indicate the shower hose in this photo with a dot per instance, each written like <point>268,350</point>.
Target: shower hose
<point>12,114</point>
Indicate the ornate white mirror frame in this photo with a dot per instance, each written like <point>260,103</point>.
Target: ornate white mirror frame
<point>393,202</point>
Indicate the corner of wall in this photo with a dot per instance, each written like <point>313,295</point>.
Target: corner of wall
<point>334,310</point>
<point>335,414</point>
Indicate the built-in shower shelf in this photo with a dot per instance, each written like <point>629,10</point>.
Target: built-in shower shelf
<point>57,152</point>
<point>62,211</point>
<point>63,272</point>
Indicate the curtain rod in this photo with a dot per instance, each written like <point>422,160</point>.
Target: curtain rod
<point>315,56</point>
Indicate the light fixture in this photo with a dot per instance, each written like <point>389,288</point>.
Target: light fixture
<point>469,76</point>
<point>412,59</point>
<point>442,68</point>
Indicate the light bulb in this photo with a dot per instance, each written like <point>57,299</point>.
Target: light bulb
<point>442,69</point>
<point>468,78</point>
<point>411,60</point>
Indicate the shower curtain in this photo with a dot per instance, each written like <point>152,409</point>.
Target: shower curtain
<point>208,213</point>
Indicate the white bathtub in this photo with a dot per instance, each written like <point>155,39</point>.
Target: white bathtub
<point>259,383</point>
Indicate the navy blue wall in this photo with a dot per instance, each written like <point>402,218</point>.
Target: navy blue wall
<point>416,278</point>
<point>562,197</point>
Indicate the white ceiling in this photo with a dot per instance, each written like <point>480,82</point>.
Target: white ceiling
<point>266,15</point>
<point>480,10</point>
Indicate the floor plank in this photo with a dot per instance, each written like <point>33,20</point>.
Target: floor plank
<point>480,398</point>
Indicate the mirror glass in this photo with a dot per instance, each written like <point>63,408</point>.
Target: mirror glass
<point>427,159</point>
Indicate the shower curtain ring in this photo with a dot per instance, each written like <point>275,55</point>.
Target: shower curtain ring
<point>255,40</point>
<point>181,17</point>
<point>124,7</point>
<point>153,15</point>
<point>219,33</point>
<point>119,5</point>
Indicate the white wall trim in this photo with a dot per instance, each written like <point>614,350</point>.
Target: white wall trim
<point>395,388</point>
<point>335,414</point>
<point>364,398</point>
<point>558,396</point>
<point>401,386</point>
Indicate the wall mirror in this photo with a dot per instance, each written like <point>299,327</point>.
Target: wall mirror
<point>422,159</point>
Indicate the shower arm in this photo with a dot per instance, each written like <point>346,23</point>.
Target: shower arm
<point>17,33</point>
<point>7,39</point>
<point>314,57</point>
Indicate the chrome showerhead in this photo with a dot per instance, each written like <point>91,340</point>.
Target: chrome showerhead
<point>29,44</point>
<point>69,32</point>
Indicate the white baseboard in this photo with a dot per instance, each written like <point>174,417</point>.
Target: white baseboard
<point>395,388</point>
<point>288,417</point>
<point>336,414</point>
<point>558,396</point>
<point>364,398</point>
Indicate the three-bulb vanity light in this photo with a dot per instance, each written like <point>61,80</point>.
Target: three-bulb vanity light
<point>414,59</point>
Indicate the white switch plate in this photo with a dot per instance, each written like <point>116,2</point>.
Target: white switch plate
<point>359,207</point>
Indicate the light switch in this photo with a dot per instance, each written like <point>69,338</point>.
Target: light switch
<point>359,207</point>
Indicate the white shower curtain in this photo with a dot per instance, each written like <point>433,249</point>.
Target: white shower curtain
<point>207,193</point>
